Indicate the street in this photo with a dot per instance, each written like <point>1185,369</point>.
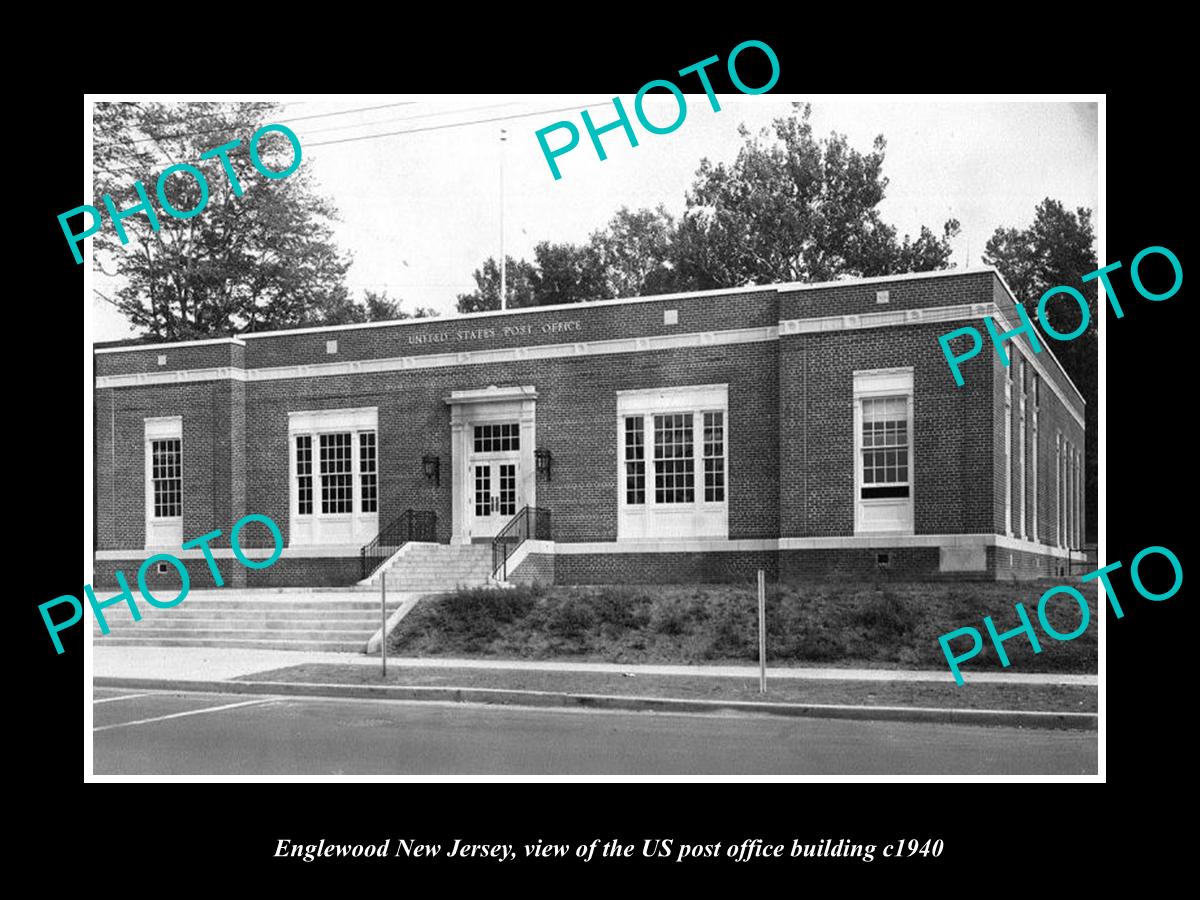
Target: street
<point>169,733</point>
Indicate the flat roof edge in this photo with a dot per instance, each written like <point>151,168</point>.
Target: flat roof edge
<point>777,287</point>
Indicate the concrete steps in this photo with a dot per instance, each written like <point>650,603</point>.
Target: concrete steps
<point>290,619</point>
<point>434,568</point>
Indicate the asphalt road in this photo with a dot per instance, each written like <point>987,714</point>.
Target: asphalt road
<point>165,733</point>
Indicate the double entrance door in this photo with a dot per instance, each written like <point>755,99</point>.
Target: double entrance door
<point>494,477</point>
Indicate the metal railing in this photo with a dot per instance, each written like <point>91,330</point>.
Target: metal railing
<point>531,523</point>
<point>410,525</point>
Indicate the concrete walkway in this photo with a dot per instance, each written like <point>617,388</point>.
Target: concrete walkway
<point>221,663</point>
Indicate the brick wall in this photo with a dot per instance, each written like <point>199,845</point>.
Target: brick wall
<point>663,568</point>
<point>536,567</point>
<point>576,421</point>
<point>950,444</point>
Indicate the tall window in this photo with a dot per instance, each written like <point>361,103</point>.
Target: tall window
<point>674,463</point>
<point>635,460</point>
<point>714,457</point>
<point>337,478</point>
<point>1019,367</point>
<point>304,474</point>
<point>673,475</point>
<point>885,447</point>
<point>167,474</point>
<point>1033,461</point>
<point>368,485</point>
<point>1008,454</point>
<point>335,470</point>
<point>883,451</point>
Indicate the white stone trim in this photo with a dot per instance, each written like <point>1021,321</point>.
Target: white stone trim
<point>692,545</point>
<point>783,287</point>
<point>171,346</point>
<point>592,348</point>
<point>851,322</point>
<point>361,417</point>
<point>295,551</point>
<point>697,545</point>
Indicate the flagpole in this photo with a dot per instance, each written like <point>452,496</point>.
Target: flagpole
<point>503,261</point>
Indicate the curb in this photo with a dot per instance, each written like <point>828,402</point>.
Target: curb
<point>1073,721</point>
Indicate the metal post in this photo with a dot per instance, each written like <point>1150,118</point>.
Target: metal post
<point>383,620</point>
<point>762,632</point>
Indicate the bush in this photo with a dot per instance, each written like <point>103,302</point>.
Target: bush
<point>884,616</point>
<point>570,619</point>
<point>621,608</point>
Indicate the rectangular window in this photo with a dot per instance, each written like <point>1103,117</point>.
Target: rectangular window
<point>497,438</point>
<point>337,478</point>
<point>674,455</point>
<point>885,446</point>
<point>368,477</point>
<point>635,460</point>
<point>304,474</point>
<point>167,476</point>
<point>483,490</point>
<point>714,457</point>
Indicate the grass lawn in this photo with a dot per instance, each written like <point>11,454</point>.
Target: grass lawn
<point>839,624</point>
<point>1057,698</point>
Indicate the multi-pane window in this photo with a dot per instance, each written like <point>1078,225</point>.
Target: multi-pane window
<point>714,457</point>
<point>335,473</point>
<point>483,490</point>
<point>674,459</point>
<point>304,474</point>
<point>497,438</point>
<point>167,477</point>
<point>635,460</point>
<point>337,478</point>
<point>885,446</point>
<point>367,475</point>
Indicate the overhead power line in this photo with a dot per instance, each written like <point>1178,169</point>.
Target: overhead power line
<point>365,137</point>
<point>343,112</point>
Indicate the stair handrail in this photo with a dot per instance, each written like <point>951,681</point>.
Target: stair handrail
<point>531,523</point>
<point>410,525</point>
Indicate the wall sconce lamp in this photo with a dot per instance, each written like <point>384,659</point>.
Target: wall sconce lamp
<point>544,459</point>
<point>432,466</point>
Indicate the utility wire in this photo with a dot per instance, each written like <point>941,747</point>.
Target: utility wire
<point>365,137</point>
<point>344,112</point>
<point>413,130</point>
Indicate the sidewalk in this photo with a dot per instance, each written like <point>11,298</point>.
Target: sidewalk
<point>175,663</point>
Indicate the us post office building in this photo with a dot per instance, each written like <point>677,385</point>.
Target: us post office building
<point>811,430</point>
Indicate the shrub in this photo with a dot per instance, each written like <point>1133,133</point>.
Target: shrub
<point>884,615</point>
<point>621,607</point>
<point>571,618</point>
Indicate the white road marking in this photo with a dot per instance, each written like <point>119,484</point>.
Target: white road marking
<point>190,712</point>
<point>122,697</point>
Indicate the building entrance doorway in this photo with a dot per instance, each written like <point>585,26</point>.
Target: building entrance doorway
<point>493,474</point>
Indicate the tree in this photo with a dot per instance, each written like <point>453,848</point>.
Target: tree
<point>795,208</point>
<point>633,252</point>
<point>1059,248</point>
<point>568,273</point>
<point>520,280</point>
<point>262,260</point>
<point>375,307</point>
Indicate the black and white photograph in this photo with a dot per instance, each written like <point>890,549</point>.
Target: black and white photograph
<point>517,436</point>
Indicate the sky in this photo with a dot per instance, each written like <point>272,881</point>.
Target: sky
<point>420,211</point>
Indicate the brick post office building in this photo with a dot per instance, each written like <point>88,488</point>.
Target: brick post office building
<point>811,430</point>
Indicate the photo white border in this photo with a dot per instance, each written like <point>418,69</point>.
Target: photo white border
<point>583,101</point>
